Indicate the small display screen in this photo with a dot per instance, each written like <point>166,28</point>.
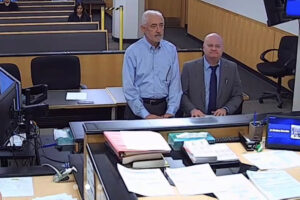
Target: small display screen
<point>283,132</point>
<point>292,8</point>
<point>5,82</point>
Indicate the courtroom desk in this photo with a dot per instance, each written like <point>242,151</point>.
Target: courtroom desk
<point>42,181</point>
<point>62,111</point>
<point>6,172</point>
<point>223,126</point>
<point>44,186</point>
<point>26,152</point>
<point>118,97</point>
<point>108,182</point>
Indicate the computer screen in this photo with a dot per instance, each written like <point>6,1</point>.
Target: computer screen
<point>292,8</point>
<point>275,10</point>
<point>283,132</point>
<point>9,105</point>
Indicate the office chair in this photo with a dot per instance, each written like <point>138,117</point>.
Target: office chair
<point>12,69</point>
<point>283,66</point>
<point>291,84</point>
<point>59,72</point>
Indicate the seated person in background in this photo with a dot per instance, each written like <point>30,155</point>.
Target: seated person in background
<point>210,85</point>
<point>7,5</point>
<point>151,77</point>
<point>79,14</point>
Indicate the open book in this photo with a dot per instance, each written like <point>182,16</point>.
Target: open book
<point>200,151</point>
<point>131,146</point>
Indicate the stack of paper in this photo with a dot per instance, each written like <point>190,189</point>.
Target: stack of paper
<point>275,184</point>
<point>200,151</point>
<point>131,146</point>
<point>274,159</point>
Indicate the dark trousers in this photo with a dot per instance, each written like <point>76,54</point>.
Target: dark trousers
<point>155,109</point>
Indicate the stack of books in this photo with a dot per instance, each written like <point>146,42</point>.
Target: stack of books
<point>200,151</point>
<point>144,149</point>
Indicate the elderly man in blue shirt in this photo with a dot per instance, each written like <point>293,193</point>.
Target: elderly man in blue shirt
<point>151,78</point>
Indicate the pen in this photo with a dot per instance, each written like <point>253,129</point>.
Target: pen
<point>254,118</point>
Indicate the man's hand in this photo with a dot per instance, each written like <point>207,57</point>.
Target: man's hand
<point>151,116</point>
<point>197,113</point>
<point>220,112</point>
<point>167,115</point>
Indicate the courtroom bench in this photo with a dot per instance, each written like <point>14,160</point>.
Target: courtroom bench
<point>35,13</point>
<point>32,3</point>
<point>53,41</point>
<point>46,7</point>
<point>61,26</point>
<point>33,19</point>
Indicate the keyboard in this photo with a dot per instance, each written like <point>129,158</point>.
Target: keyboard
<point>227,139</point>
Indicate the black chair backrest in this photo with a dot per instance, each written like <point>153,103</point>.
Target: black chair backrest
<point>59,72</point>
<point>12,69</point>
<point>288,51</point>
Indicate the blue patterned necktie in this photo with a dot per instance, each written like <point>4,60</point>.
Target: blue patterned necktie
<point>212,90</point>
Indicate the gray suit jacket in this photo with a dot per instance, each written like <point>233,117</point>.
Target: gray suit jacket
<point>193,86</point>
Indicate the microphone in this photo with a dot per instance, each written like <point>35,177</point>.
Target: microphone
<point>62,175</point>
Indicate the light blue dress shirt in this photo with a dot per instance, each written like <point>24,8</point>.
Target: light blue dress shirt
<point>150,72</point>
<point>207,74</point>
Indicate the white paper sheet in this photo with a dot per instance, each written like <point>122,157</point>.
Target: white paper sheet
<point>274,159</point>
<point>76,96</point>
<point>16,187</point>
<point>147,182</point>
<point>144,140</point>
<point>197,179</point>
<point>275,184</point>
<point>237,187</point>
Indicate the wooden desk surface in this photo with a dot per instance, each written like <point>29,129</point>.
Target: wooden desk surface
<point>57,99</point>
<point>43,186</point>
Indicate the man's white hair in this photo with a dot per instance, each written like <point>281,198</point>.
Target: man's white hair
<point>147,13</point>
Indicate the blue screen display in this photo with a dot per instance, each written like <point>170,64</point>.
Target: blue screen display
<point>283,131</point>
<point>5,82</point>
<point>293,8</point>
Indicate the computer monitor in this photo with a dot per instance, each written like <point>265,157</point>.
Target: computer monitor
<point>275,10</point>
<point>283,132</point>
<point>10,105</point>
<point>292,8</point>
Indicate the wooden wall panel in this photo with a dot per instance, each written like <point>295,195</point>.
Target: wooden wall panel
<point>169,8</point>
<point>244,38</point>
<point>97,71</point>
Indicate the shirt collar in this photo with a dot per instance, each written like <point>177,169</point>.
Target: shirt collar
<point>207,65</point>
<point>149,45</point>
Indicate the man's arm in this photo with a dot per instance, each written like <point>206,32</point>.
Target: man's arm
<point>236,95</point>
<point>186,103</point>
<point>175,90</point>
<point>131,93</point>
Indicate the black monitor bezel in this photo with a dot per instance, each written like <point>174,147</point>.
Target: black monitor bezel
<point>14,93</point>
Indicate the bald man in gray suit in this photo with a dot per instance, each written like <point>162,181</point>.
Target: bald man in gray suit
<point>200,76</point>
